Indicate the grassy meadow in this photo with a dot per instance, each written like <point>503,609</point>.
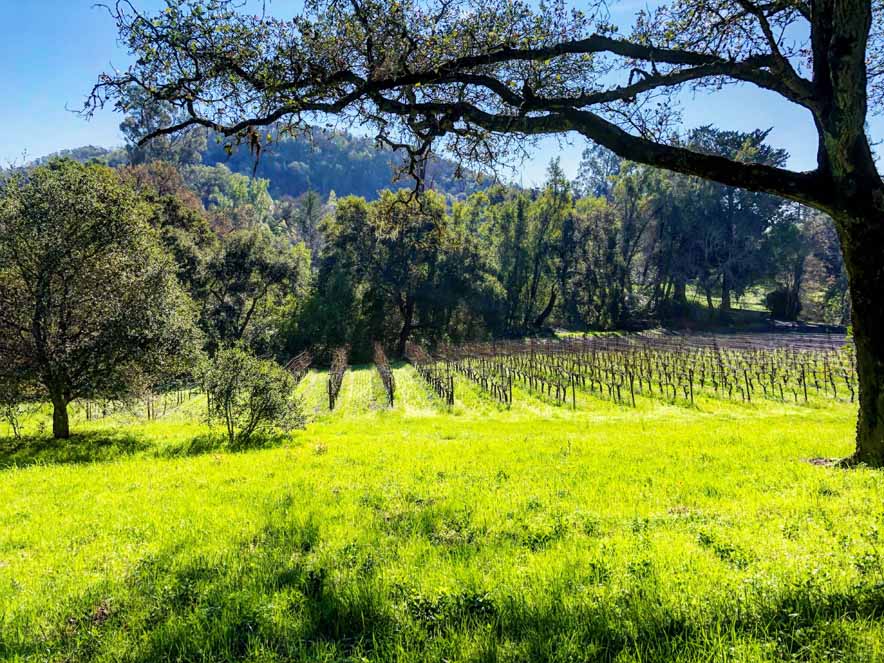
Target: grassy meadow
<point>538,533</point>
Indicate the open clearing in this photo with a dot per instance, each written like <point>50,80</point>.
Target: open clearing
<point>418,533</point>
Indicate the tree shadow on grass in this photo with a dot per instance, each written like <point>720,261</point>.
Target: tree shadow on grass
<point>215,442</point>
<point>104,446</point>
<point>79,448</point>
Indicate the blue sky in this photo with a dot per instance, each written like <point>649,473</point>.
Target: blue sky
<point>53,50</point>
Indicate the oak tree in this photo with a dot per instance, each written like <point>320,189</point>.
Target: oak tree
<point>89,303</point>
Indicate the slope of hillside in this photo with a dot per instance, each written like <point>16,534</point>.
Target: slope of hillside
<point>321,161</point>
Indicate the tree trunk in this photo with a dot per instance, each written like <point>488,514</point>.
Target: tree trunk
<point>855,197</point>
<point>677,296</point>
<point>680,292</point>
<point>793,302</point>
<point>61,429</point>
<point>532,289</point>
<point>407,326</point>
<point>724,310</point>
<point>544,314</point>
<point>862,240</point>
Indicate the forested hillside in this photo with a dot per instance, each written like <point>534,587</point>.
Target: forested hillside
<point>321,161</point>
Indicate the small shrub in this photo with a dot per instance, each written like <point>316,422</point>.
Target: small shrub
<point>17,402</point>
<point>249,394</point>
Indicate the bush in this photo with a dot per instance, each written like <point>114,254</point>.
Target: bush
<point>249,395</point>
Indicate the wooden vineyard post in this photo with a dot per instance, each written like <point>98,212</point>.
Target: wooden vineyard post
<point>804,382</point>
<point>336,374</point>
<point>385,372</point>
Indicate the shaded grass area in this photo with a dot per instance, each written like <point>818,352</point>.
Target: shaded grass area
<point>87,447</point>
<point>122,433</point>
<point>480,534</point>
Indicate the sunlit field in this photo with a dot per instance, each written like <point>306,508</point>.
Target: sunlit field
<point>442,331</point>
<point>704,532</point>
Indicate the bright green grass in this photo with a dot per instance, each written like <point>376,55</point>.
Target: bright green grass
<point>610,533</point>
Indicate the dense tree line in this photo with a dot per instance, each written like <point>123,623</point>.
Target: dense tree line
<point>621,245</point>
<point>106,271</point>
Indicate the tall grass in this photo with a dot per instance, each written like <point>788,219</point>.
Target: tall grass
<point>415,533</point>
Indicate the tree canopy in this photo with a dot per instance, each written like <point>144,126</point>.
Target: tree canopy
<point>477,74</point>
<point>89,303</point>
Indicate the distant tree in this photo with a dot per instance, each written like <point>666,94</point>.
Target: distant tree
<point>234,201</point>
<point>89,303</point>
<point>733,222</point>
<point>550,247</point>
<point>301,219</point>
<point>598,167</point>
<point>826,295</point>
<point>388,270</point>
<point>162,179</point>
<point>513,259</point>
<point>599,280</point>
<point>669,251</point>
<point>179,218</point>
<point>788,244</point>
<point>525,242</point>
<point>804,268</point>
<point>410,242</point>
<point>334,314</point>
<point>248,282</point>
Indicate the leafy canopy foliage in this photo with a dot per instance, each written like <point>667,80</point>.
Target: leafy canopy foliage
<point>388,269</point>
<point>478,76</point>
<point>248,283</point>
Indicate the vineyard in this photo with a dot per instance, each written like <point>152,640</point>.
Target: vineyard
<point>626,370</point>
<point>623,369</point>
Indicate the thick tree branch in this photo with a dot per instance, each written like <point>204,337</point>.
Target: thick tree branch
<point>802,187</point>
